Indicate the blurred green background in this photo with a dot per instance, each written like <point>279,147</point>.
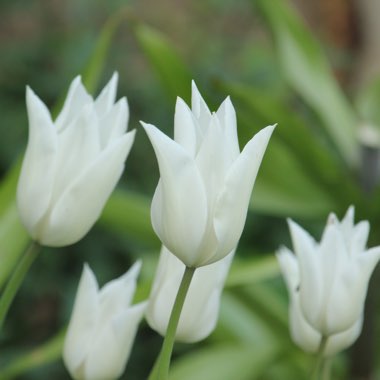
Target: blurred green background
<point>310,66</point>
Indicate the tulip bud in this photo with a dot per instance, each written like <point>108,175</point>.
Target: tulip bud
<point>200,204</point>
<point>201,308</point>
<point>103,326</point>
<point>327,282</point>
<point>72,165</point>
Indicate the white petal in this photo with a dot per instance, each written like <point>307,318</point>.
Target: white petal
<point>38,169</point>
<point>81,204</point>
<point>211,161</point>
<point>347,222</point>
<point>199,106</point>
<point>78,147</point>
<point>351,290</point>
<point>358,238</point>
<point>304,335</point>
<point>232,204</point>
<point>345,339</point>
<point>184,127</point>
<point>311,276</point>
<point>106,98</point>
<point>117,294</point>
<point>103,360</point>
<point>335,262</point>
<point>114,124</point>
<point>125,327</point>
<point>83,321</point>
<point>179,206</point>
<point>290,270</point>
<point>227,117</point>
<point>111,349</point>
<point>201,309</point>
<point>76,99</point>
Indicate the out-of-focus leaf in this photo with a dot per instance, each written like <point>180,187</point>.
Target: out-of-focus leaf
<point>239,322</point>
<point>172,71</point>
<point>304,142</point>
<point>270,305</point>
<point>367,103</point>
<point>128,214</point>
<point>94,68</point>
<point>307,70</point>
<point>249,272</point>
<point>46,353</point>
<point>13,237</point>
<point>13,240</point>
<point>224,362</point>
<point>283,189</point>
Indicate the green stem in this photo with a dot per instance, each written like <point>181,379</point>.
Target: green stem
<point>326,369</point>
<point>16,279</point>
<point>160,370</point>
<point>320,361</point>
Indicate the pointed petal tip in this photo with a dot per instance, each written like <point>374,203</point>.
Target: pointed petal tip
<point>115,75</point>
<point>88,276</point>
<point>149,128</point>
<point>350,213</point>
<point>76,81</point>
<point>134,270</point>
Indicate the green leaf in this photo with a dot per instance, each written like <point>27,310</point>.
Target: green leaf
<point>128,214</point>
<point>283,189</point>
<point>367,103</point>
<point>93,69</point>
<point>239,322</point>
<point>224,362</point>
<point>270,305</point>
<point>252,104</point>
<point>171,70</point>
<point>13,236</point>
<point>251,271</point>
<point>47,353</point>
<point>95,65</point>
<point>308,72</point>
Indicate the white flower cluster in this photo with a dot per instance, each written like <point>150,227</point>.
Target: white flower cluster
<point>199,209</point>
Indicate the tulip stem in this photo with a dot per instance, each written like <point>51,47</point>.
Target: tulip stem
<point>321,371</point>
<point>16,279</point>
<point>160,370</point>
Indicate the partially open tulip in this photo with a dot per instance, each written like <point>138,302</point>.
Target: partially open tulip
<point>327,282</point>
<point>201,308</point>
<point>200,204</point>
<point>72,164</point>
<point>102,327</point>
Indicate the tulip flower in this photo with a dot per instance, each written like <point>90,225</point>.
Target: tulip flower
<point>72,164</point>
<point>200,203</point>
<point>327,282</point>
<point>201,308</point>
<point>102,327</point>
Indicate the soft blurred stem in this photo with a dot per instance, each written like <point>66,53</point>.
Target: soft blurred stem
<point>160,370</point>
<point>16,279</point>
<point>320,363</point>
<point>326,369</point>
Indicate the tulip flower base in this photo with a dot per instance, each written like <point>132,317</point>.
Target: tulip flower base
<point>321,371</point>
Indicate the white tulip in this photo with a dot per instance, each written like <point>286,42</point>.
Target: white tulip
<point>72,164</point>
<point>327,282</point>
<point>200,203</point>
<point>103,326</point>
<point>201,308</point>
<point>302,333</point>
